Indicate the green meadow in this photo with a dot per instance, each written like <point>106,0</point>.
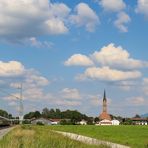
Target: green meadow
<point>28,136</point>
<point>39,137</point>
<point>133,136</point>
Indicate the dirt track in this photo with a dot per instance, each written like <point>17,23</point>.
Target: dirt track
<point>4,131</point>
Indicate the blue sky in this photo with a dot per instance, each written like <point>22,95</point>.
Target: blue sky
<point>67,52</point>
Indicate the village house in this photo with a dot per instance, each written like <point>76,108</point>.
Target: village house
<point>55,121</point>
<point>82,122</point>
<point>140,121</point>
<point>43,121</point>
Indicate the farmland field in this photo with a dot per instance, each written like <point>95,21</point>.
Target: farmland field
<point>134,136</point>
<point>39,137</point>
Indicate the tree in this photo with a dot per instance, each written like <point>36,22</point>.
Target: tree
<point>58,113</point>
<point>45,112</point>
<point>126,121</point>
<point>4,113</point>
<point>37,114</point>
<point>96,119</point>
<point>137,116</point>
<point>31,115</point>
<point>90,121</point>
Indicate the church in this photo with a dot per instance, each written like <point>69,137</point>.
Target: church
<point>104,114</point>
<point>105,118</point>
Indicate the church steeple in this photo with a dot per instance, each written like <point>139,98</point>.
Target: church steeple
<point>104,102</point>
<point>104,97</point>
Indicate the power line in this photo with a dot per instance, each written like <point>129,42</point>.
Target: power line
<point>20,101</point>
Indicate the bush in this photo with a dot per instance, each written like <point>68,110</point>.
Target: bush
<point>40,123</point>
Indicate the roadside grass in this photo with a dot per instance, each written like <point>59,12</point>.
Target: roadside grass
<point>39,137</point>
<point>133,136</point>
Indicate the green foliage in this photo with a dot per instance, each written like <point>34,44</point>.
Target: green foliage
<point>26,122</point>
<point>31,115</point>
<point>39,123</point>
<point>66,122</point>
<point>126,121</point>
<point>137,116</point>
<point>51,113</point>
<point>96,120</point>
<point>4,113</point>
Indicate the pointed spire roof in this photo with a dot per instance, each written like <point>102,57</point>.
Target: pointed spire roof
<point>104,97</point>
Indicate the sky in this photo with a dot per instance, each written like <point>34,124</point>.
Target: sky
<point>66,52</point>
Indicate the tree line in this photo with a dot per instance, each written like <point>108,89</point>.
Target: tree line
<point>68,116</point>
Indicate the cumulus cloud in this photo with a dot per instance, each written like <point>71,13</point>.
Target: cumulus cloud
<point>112,5</point>
<point>110,63</point>
<point>39,44</point>
<point>14,72</point>
<point>126,85</point>
<point>122,20</point>
<point>142,7</point>
<point>70,93</point>
<point>108,74</point>
<point>11,68</point>
<point>116,57</point>
<point>78,60</point>
<point>41,18</point>
<point>145,86</point>
<point>67,103</point>
<point>85,16</point>
<point>136,101</point>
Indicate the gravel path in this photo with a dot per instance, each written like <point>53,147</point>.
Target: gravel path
<point>89,140</point>
<point>3,132</point>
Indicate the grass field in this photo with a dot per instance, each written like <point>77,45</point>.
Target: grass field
<point>39,137</point>
<point>134,136</point>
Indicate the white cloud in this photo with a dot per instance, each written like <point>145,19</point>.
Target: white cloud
<point>142,7</point>
<point>122,20</point>
<point>107,74</point>
<point>42,17</point>
<point>11,68</point>
<point>145,86</point>
<point>12,103</point>
<point>67,103</point>
<point>13,73</point>
<point>69,93</point>
<point>116,57</point>
<point>112,5</point>
<point>85,16</point>
<point>37,80</point>
<point>39,44</point>
<point>126,85</point>
<point>136,101</point>
<point>78,60</point>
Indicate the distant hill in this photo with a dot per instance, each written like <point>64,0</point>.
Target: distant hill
<point>144,115</point>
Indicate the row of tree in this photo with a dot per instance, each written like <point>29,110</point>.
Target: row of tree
<point>4,113</point>
<point>71,116</point>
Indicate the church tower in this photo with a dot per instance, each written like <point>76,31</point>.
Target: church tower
<point>104,114</point>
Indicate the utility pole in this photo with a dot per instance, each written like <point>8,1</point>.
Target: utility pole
<point>21,108</point>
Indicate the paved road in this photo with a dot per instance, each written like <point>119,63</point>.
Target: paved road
<point>89,140</point>
<point>4,131</point>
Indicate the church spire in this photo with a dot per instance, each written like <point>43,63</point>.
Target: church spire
<point>104,102</point>
<point>104,97</point>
